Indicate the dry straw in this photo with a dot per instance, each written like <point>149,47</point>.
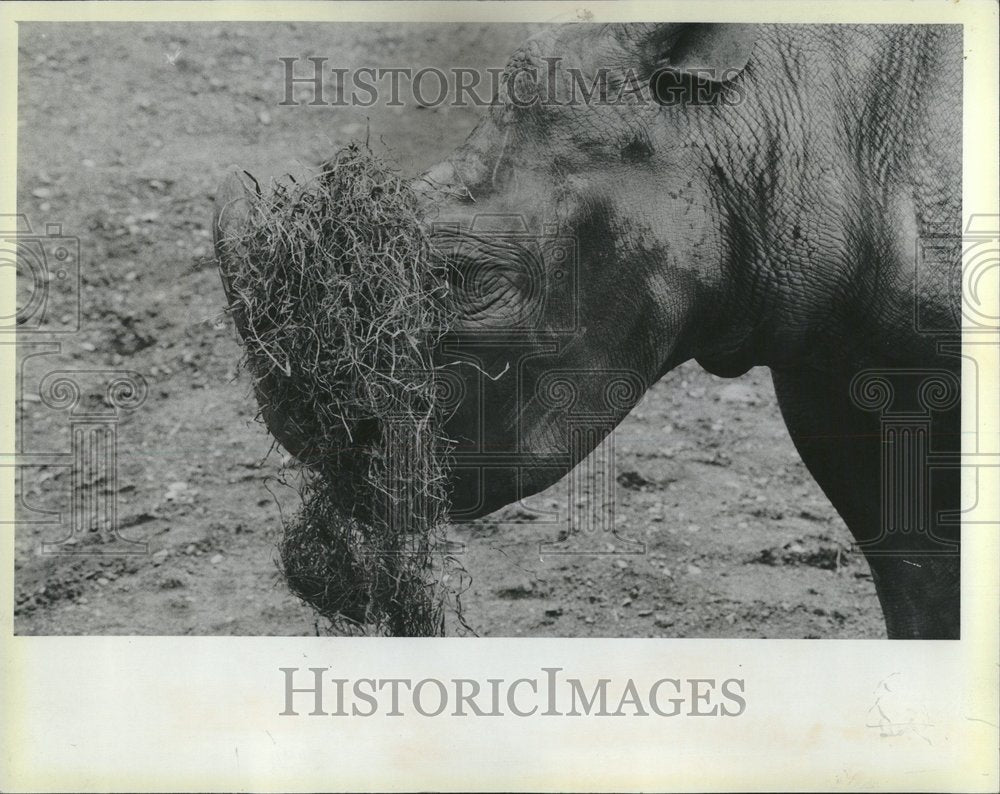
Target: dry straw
<point>340,305</point>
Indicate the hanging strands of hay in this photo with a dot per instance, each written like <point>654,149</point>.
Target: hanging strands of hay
<point>339,306</point>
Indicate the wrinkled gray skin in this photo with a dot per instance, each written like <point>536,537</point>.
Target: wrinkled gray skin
<point>776,228</point>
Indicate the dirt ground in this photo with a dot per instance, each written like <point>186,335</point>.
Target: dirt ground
<point>124,132</point>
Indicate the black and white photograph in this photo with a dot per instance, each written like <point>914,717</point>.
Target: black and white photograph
<point>365,322</point>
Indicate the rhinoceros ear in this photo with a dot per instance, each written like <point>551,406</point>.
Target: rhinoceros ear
<point>716,52</point>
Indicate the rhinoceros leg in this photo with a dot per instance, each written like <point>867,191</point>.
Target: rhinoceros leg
<point>917,584</point>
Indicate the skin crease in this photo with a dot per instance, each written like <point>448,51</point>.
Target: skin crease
<point>775,225</point>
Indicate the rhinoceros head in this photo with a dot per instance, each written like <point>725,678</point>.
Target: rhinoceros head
<point>582,242</point>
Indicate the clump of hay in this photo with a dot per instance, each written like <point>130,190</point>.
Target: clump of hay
<point>340,305</point>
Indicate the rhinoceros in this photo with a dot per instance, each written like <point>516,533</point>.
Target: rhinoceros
<point>639,195</point>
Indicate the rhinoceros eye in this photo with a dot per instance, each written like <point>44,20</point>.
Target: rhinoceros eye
<point>495,282</point>
<point>637,150</point>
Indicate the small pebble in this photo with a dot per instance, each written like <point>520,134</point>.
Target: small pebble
<point>216,559</point>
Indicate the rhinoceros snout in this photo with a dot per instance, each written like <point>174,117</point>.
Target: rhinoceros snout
<point>229,224</point>
<point>232,209</point>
